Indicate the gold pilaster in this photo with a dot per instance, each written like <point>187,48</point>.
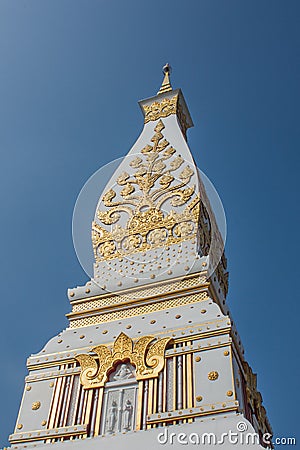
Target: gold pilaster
<point>190,376</point>
<point>139,417</point>
<point>99,411</point>
<point>150,399</point>
<point>88,406</point>
<point>155,394</point>
<point>174,382</point>
<point>184,378</point>
<point>68,400</point>
<point>165,389</point>
<point>77,399</point>
<point>54,406</point>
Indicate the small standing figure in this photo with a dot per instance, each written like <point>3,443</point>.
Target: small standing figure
<point>112,417</point>
<point>123,373</point>
<point>128,409</point>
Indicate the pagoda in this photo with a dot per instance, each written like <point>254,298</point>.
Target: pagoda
<point>151,356</point>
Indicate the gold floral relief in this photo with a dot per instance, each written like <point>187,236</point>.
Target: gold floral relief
<point>148,359</point>
<point>159,175</point>
<point>157,109</point>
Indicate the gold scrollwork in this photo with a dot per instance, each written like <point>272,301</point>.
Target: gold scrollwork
<point>148,359</point>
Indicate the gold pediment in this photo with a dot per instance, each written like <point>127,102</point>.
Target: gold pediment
<point>147,358</point>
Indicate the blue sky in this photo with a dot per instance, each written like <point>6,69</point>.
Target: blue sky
<point>71,75</point>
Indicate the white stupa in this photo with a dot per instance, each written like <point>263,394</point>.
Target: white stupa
<point>151,357</point>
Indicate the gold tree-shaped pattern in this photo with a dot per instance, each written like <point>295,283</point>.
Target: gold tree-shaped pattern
<point>159,175</point>
<point>152,183</point>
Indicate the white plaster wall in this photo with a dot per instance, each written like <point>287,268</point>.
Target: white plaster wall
<point>149,439</point>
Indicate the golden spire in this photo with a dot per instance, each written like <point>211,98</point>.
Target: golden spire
<point>166,85</point>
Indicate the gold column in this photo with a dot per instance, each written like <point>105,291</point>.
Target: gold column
<point>155,394</point>
<point>165,387</point>
<point>139,406</point>
<point>145,402</point>
<point>76,385</point>
<point>184,379</point>
<point>88,406</point>
<point>54,406</point>
<point>155,388</point>
<point>98,413</point>
<point>82,407</point>
<point>61,402</point>
<point>174,383</point>
<point>76,401</point>
<point>68,400</point>
<point>150,399</point>
<point>189,373</point>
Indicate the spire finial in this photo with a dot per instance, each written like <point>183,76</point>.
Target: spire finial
<point>166,85</point>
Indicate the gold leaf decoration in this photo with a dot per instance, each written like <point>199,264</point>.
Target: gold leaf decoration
<point>136,162</point>
<point>148,359</point>
<point>164,108</point>
<point>139,215</point>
